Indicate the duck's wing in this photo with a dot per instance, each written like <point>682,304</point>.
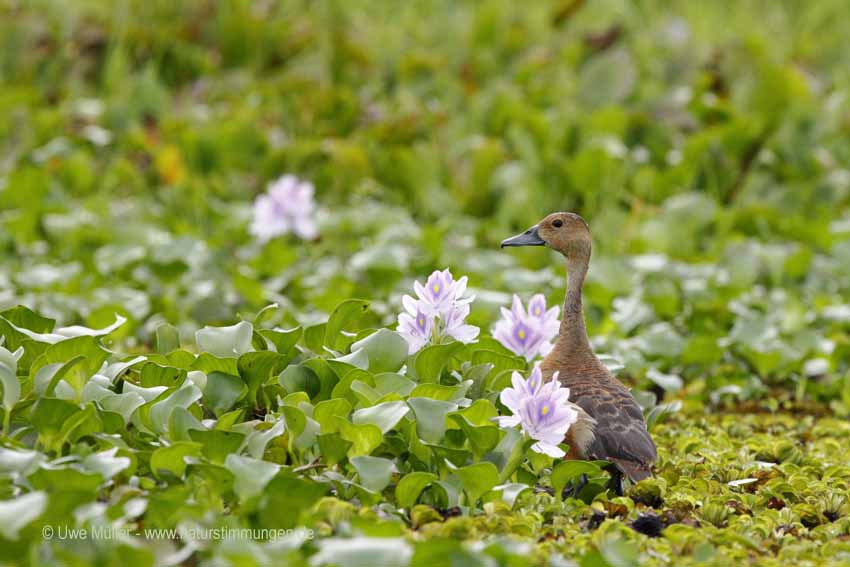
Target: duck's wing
<point>620,434</point>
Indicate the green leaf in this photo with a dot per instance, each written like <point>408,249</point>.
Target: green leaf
<point>222,392</point>
<point>282,339</point>
<point>250,475</point>
<point>363,551</point>
<point>570,471</point>
<point>298,378</point>
<point>431,360</point>
<point>171,459</point>
<point>509,453</point>
<point>390,383</point>
<point>226,342</point>
<point>17,513</point>
<point>431,417</point>
<point>342,317</point>
<point>477,480</point>
<point>295,419</point>
<point>216,445</point>
<point>363,438</point>
<point>385,349</point>
<point>375,472</point>
<point>385,415</point>
<point>285,498</point>
<point>167,338</point>
<point>441,391</point>
<point>160,412</point>
<point>256,368</point>
<point>324,412</point>
<point>333,448</point>
<point>482,438</point>
<point>9,382</point>
<point>410,486</point>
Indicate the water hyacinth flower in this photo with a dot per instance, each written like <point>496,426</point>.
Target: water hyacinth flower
<point>530,332</point>
<point>439,311</point>
<point>543,411</point>
<point>287,206</point>
<point>441,293</point>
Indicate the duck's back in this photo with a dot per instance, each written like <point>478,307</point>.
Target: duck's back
<point>620,434</point>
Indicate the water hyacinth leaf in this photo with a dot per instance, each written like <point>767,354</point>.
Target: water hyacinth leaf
<point>342,317</point>
<point>167,339</point>
<point>431,360</point>
<point>386,350</point>
<point>365,394</point>
<point>282,339</point>
<point>19,461</point>
<point>482,438</point>
<point>94,355</point>
<point>226,342</point>
<point>333,448</point>
<point>106,463</point>
<point>48,415</point>
<point>298,378</point>
<point>160,412</point>
<point>216,445</point>
<point>258,439</point>
<point>285,497</point>
<point>512,491</point>
<point>295,419</point>
<point>122,404</point>
<point>363,438</point>
<point>250,475</point>
<point>410,486</point>
<point>171,459</point>
<point>152,374</point>
<point>9,382</point>
<point>499,361</point>
<point>363,552</point>
<point>327,378</point>
<point>314,337</point>
<point>256,368</point>
<point>441,391</point>
<point>509,453</point>
<point>206,363</point>
<point>477,480</point>
<point>66,333</point>
<point>357,359</point>
<point>385,415</point>
<point>15,514</point>
<point>181,422</point>
<point>222,392</point>
<point>669,382</point>
<point>569,471</point>
<point>431,417</point>
<point>389,382</point>
<point>448,492</point>
<point>324,412</point>
<point>375,472</point>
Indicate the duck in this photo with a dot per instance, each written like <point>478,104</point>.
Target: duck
<point>611,426</point>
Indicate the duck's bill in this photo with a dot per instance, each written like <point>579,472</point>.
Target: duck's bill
<point>528,238</point>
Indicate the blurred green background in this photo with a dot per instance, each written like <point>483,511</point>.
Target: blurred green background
<point>705,142</point>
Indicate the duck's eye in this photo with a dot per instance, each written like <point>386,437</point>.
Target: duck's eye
<point>558,223</point>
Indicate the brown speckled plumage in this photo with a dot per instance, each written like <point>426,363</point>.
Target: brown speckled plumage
<point>613,428</point>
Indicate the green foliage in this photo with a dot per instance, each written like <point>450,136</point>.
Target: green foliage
<point>170,371</point>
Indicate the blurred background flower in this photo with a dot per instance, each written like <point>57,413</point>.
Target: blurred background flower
<point>286,207</point>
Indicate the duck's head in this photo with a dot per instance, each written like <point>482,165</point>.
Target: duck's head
<point>567,233</point>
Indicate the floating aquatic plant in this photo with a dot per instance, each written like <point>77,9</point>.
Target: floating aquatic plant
<point>528,332</point>
<point>287,207</point>
<point>439,311</point>
<point>543,411</point>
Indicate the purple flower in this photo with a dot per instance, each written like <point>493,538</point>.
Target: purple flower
<point>439,311</point>
<point>542,410</point>
<point>441,292</point>
<point>286,207</point>
<point>415,325</point>
<point>454,324</point>
<point>528,333</point>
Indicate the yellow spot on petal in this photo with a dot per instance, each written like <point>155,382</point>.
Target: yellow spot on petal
<point>544,410</point>
<point>521,334</point>
<point>537,311</point>
<point>436,288</point>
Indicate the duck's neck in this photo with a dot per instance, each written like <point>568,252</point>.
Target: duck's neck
<point>572,338</point>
